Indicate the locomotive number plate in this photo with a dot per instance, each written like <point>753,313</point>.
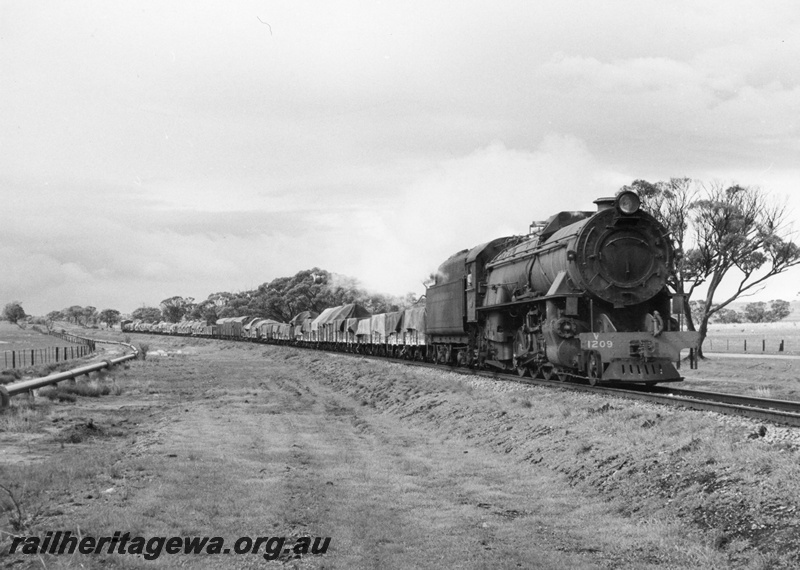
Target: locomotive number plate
<point>599,344</point>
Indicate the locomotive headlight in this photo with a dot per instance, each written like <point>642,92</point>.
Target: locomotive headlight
<point>628,203</point>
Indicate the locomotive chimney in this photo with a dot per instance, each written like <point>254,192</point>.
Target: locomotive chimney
<point>604,203</point>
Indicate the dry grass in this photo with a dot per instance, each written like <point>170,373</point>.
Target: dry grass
<point>69,391</point>
<point>436,470</point>
<point>23,416</point>
<point>14,338</point>
<point>737,492</point>
<point>10,376</point>
<point>762,376</point>
<point>31,489</point>
<point>731,337</point>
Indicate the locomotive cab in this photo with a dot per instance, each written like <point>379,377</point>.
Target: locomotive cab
<point>452,301</point>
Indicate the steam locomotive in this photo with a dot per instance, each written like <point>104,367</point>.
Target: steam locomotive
<point>583,295</point>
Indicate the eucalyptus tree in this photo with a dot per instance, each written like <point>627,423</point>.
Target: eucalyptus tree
<point>733,234</point>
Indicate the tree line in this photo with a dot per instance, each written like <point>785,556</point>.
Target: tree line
<point>84,316</point>
<point>757,312</point>
<point>280,299</point>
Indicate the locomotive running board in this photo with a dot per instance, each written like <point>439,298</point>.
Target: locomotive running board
<point>526,301</point>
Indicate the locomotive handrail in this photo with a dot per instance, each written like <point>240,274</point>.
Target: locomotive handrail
<point>527,301</point>
<point>539,248</point>
<point>10,390</point>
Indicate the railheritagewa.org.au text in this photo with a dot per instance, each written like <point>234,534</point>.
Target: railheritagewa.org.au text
<point>64,542</point>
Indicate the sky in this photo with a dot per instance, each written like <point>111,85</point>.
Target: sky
<point>152,149</point>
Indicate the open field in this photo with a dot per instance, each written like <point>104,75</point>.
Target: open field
<point>732,337</point>
<point>14,338</point>
<point>766,375</point>
<point>761,376</point>
<point>27,350</point>
<point>401,467</point>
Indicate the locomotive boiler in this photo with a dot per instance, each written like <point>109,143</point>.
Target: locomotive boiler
<point>583,295</point>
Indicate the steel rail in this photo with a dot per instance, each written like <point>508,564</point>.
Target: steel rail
<point>729,404</point>
<point>766,410</point>
<point>10,390</point>
<point>776,411</point>
<point>736,399</point>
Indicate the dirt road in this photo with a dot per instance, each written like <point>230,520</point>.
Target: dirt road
<point>254,441</point>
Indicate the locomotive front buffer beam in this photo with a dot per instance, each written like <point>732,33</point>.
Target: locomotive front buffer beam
<point>637,356</point>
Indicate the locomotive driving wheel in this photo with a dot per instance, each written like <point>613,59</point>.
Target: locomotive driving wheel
<point>551,372</point>
<point>594,368</point>
<point>521,369</point>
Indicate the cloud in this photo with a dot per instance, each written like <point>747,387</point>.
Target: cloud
<point>491,192</point>
<point>149,250</point>
<point>159,149</point>
<point>678,107</point>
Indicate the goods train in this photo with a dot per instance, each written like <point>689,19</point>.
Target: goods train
<point>583,295</point>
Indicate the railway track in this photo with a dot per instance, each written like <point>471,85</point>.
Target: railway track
<point>782,412</point>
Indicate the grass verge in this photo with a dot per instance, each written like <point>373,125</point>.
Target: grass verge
<point>711,473</point>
